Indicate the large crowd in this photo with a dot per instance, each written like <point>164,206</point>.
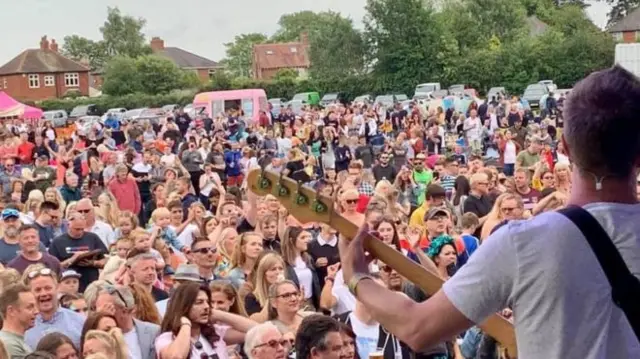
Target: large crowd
<point>141,240</point>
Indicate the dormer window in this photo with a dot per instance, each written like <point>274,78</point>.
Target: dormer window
<point>294,49</point>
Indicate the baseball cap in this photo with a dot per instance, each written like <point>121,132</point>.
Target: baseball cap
<point>188,272</point>
<point>434,212</point>
<point>10,213</point>
<point>70,274</point>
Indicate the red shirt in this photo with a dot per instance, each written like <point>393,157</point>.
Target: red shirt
<point>25,152</point>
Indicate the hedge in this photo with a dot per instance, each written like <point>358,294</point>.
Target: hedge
<point>131,101</point>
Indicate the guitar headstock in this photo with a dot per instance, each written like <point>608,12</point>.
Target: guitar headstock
<point>305,204</point>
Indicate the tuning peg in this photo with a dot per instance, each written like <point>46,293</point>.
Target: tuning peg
<point>263,181</point>
<point>281,190</point>
<point>301,199</point>
<point>318,206</point>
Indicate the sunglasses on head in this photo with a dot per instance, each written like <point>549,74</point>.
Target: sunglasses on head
<point>113,290</point>
<point>39,272</point>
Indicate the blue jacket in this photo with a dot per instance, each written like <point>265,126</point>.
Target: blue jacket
<point>232,160</point>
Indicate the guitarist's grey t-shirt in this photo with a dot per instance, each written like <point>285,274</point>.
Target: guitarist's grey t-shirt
<point>545,270</point>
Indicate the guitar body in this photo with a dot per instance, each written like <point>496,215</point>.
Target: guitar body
<point>307,205</point>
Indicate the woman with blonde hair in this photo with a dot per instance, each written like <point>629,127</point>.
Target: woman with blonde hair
<point>562,174</point>
<point>225,243</point>
<point>507,206</point>
<point>248,247</point>
<point>32,206</point>
<point>348,202</point>
<point>111,344</point>
<point>107,209</point>
<point>270,269</point>
<point>52,194</point>
<point>285,306</point>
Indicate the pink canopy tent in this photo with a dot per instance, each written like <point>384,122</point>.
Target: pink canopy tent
<point>10,108</point>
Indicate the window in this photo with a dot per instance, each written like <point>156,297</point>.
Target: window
<point>617,36</point>
<point>269,52</point>
<point>49,81</point>
<point>211,72</point>
<point>71,80</point>
<point>4,83</point>
<point>294,49</point>
<point>34,81</point>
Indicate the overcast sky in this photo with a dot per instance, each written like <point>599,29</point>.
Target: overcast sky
<point>199,26</point>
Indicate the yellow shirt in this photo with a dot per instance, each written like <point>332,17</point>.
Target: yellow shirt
<point>417,217</point>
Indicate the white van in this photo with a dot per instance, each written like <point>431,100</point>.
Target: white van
<point>427,88</point>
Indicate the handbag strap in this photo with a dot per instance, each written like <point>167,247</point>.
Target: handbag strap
<point>625,287</point>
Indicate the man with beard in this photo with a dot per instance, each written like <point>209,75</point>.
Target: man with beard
<point>30,253</point>
<point>384,170</point>
<point>139,336</point>
<point>18,309</point>
<point>9,245</point>
<point>52,317</point>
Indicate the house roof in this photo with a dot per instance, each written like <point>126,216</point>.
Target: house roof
<point>40,61</point>
<point>282,55</point>
<point>631,22</point>
<point>186,59</point>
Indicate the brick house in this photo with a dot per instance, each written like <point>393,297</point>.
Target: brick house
<point>627,29</point>
<point>186,60</point>
<point>268,59</point>
<point>42,73</point>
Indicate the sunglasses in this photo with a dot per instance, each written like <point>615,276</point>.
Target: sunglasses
<point>36,273</point>
<point>274,343</point>
<point>83,211</point>
<point>206,250</point>
<point>386,269</point>
<point>287,296</point>
<point>113,290</point>
<point>351,201</point>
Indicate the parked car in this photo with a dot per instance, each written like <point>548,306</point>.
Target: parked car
<point>440,93</point>
<point>58,118</point>
<point>133,115</point>
<point>84,110</point>
<point>296,106</point>
<point>427,88</point>
<point>401,97</point>
<point>497,92</point>
<point>118,112</point>
<point>311,98</point>
<point>456,90</point>
<point>386,100</point>
<point>550,85</point>
<point>170,108</point>
<point>363,100</point>
<point>277,104</point>
<point>534,93</point>
<point>331,98</point>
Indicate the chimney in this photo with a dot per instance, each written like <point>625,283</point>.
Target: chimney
<point>157,44</point>
<point>304,37</point>
<point>54,45</point>
<point>44,43</point>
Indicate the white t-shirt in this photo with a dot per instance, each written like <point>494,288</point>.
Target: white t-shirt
<point>305,277</point>
<point>510,154</point>
<point>366,336</point>
<point>546,271</point>
<point>131,338</point>
<point>345,300</point>
<point>186,236</point>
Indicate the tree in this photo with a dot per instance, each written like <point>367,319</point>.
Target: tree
<point>620,9</point>
<point>121,77</point>
<point>148,74</point>
<point>336,48</point>
<point>285,74</point>
<point>80,48</point>
<point>404,39</point>
<point>239,53</point>
<point>122,34</point>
